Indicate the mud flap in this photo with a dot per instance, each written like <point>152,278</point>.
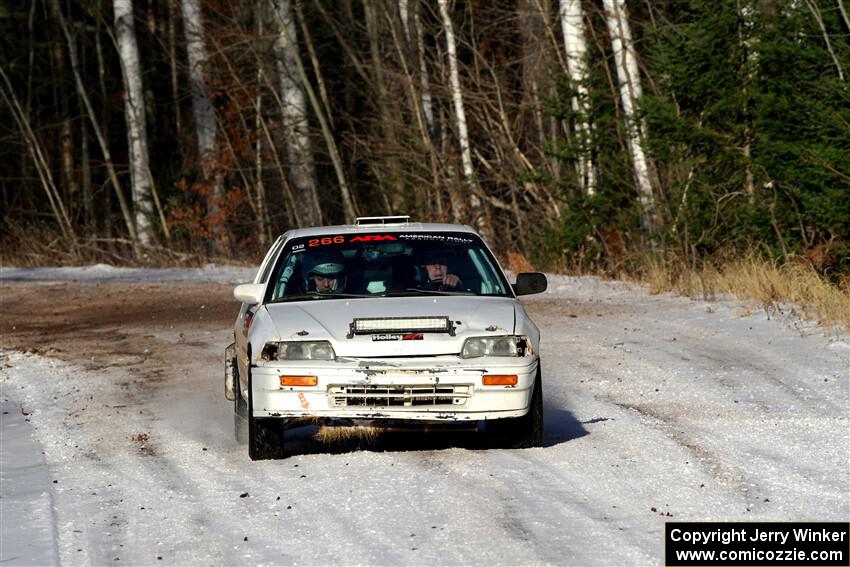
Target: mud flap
<point>231,373</point>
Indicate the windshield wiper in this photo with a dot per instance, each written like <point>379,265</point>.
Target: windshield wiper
<point>321,295</point>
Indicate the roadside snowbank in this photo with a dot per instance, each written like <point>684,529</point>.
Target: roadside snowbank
<point>27,523</point>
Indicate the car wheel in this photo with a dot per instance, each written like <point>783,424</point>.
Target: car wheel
<point>525,431</point>
<point>265,435</point>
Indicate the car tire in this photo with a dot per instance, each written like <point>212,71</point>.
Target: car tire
<point>524,431</point>
<point>265,435</point>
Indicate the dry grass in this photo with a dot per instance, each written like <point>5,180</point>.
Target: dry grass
<point>346,434</point>
<point>35,246</point>
<point>764,281</point>
<point>518,263</point>
<point>750,278</point>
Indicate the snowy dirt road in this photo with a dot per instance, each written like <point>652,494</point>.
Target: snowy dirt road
<point>657,408</point>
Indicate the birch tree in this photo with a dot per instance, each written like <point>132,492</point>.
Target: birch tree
<point>98,131</point>
<point>750,60</point>
<point>417,101</point>
<point>141,180</point>
<point>262,212</point>
<point>476,207</point>
<point>299,149</point>
<point>575,46</point>
<point>205,125</point>
<point>426,101</point>
<point>630,92</point>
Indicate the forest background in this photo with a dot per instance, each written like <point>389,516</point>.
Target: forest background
<point>667,140</point>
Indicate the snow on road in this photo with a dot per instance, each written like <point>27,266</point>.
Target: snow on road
<point>657,408</point>
<point>27,527</point>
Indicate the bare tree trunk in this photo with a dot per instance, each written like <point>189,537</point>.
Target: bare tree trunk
<point>431,117</point>
<point>85,171</point>
<point>262,213</point>
<point>424,81</point>
<point>134,109</point>
<point>31,59</point>
<point>314,58</point>
<point>88,201</point>
<point>386,107</point>
<point>41,165</point>
<point>205,122</point>
<point>813,8</point>
<point>66,137</point>
<point>630,92</point>
<point>104,147</point>
<point>341,36</point>
<point>141,129</point>
<point>25,161</point>
<point>302,170</point>
<point>531,22</point>
<point>172,59</point>
<point>575,45</point>
<point>205,126</point>
<point>105,218</point>
<point>406,55</point>
<point>101,72</point>
<point>349,208</point>
<point>844,15</point>
<point>476,207</point>
<point>745,28</point>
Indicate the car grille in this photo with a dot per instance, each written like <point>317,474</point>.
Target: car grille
<point>399,395</point>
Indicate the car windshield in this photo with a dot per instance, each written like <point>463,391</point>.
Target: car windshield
<point>385,264</point>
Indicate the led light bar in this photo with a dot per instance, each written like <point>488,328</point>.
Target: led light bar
<point>401,324</point>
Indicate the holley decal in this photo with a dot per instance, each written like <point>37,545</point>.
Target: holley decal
<point>398,337</point>
<point>386,337</point>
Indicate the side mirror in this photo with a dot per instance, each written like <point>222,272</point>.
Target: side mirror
<point>530,282</point>
<point>249,293</point>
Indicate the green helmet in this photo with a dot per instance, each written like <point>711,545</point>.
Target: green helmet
<point>327,264</point>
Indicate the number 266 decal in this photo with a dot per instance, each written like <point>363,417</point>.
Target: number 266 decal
<point>326,240</point>
<point>340,239</point>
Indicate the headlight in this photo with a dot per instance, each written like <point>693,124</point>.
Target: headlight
<point>298,350</point>
<point>508,345</point>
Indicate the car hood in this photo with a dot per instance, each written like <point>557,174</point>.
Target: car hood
<point>330,319</point>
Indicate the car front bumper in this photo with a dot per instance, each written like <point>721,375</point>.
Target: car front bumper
<point>423,389</point>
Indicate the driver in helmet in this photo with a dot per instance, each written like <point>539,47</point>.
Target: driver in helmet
<point>327,274</point>
<point>435,263</point>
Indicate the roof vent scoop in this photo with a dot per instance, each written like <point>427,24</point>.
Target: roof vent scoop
<point>367,221</point>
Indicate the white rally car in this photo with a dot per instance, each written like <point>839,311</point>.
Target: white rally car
<point>384,321</point>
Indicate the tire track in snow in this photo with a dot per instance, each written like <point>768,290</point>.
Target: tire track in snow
<point>586,498</point>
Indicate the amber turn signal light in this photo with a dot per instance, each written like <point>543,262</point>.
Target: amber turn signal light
<point>298,380</point>
<point>500,380</point>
